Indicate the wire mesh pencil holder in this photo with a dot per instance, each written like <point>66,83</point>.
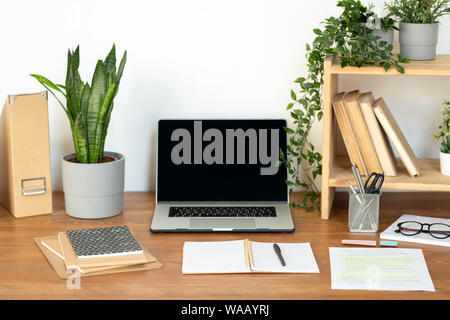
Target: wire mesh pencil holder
<point>363,212</point>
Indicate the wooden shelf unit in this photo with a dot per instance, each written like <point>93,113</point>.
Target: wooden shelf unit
<point>336,171</point>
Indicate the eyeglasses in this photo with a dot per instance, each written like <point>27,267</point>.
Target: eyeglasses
<point>436,230</point>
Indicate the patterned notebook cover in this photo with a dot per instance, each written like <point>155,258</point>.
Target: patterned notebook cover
<point>102,242</point>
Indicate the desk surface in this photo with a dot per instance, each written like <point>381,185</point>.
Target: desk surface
<point>26,274</point>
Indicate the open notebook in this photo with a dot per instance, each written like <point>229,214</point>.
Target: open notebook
<point>242,256</point>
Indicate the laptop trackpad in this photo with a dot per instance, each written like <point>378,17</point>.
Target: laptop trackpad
<point>225,223</point>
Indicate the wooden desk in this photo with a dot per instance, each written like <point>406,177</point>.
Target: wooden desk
<point>26,274</point>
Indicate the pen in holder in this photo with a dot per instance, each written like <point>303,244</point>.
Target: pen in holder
<point>363,212</point>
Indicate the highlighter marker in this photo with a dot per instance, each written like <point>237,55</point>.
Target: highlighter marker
<point>388,243</point>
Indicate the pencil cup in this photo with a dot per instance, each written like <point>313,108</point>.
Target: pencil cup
<point>363,212</point>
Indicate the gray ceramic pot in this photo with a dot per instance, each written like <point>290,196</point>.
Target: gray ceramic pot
<point>93,191</point>
<point>387,36</point>
<point>418,41</point>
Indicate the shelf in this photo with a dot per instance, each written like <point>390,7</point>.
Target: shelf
<point>430,178</point>
<point>438,67</point>
<point>336,172</point>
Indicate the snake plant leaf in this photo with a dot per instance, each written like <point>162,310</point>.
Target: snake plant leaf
<point>83,149</point>
<point>49,85</point>
<point>73,82</point>
<point>110,61</point>
<point>98,91</point>
<point>80,140</point>
<point>121,67</point>
<point>107,106</point>
<point>73,60</point>
<point>43,80</point>
<point>105,128</point>
<point>101,120</point>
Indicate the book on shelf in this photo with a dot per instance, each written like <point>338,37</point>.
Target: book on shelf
<point>347,132</point>
<point>378,135</point>
<point>361,132</point>
<point>396,136</point>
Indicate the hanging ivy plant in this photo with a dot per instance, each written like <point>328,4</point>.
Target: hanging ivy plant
<point>348,39</point>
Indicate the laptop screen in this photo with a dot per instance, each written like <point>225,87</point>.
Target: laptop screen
<point>221,160</point>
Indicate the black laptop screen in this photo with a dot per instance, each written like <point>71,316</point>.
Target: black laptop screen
<point>221,160</point>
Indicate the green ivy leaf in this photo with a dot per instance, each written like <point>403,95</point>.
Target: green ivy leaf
<point>400,68</point>
<point>293,95</point>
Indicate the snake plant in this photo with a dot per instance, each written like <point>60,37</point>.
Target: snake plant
<point>88,107</point>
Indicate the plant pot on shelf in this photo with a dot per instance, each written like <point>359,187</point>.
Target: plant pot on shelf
<point>387,36</point>
<point>93,190</point>
<point>418,41</point>
<point>445,163</point>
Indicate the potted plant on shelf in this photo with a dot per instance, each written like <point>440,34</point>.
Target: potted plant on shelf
<point>93,179</point>
<point>350,41</point>
<point>382,27</point>
<point>419,26</point>
<point>444,136</point>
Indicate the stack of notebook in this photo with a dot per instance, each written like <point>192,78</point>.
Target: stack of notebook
<point>96,251</point>
<point>367,125</point>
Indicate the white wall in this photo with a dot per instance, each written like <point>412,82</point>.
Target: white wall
<point>197,58</point>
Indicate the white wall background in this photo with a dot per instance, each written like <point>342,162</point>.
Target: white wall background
<point>197,58</point>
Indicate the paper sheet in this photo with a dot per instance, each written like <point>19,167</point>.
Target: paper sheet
<point>214,257</point>
<point>379,269</point>
<point>299,257</point>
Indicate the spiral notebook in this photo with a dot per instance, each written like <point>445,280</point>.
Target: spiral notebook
<point>245,256</point>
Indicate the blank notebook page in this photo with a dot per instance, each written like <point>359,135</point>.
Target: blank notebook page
<point>214,257</point>
<point>299,257</point>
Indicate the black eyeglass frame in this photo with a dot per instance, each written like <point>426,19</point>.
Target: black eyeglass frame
<point>422,230</point>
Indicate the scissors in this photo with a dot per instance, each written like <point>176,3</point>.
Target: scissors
<point>374,182</point>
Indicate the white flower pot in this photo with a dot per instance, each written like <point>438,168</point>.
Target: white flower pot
<point>418,41</point>
<point>445,163</point>
<point>93,191</point>
<point>387,36</point>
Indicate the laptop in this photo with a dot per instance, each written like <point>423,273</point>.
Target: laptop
<point>221,176</point>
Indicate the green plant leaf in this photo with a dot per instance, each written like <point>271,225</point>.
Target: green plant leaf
<point>110,61</point>
<point>43,80</point>
<point>121,67</point>
<point>293,95</point>
<point>97,93</point>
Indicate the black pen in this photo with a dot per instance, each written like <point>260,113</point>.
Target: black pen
<point>278,252</point>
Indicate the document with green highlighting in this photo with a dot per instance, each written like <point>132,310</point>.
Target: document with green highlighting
<point>379,269</point>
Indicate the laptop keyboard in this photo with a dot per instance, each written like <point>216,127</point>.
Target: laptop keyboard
<point>222,212</point>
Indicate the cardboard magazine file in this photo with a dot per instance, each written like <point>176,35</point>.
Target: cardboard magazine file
<point>25,183</point>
